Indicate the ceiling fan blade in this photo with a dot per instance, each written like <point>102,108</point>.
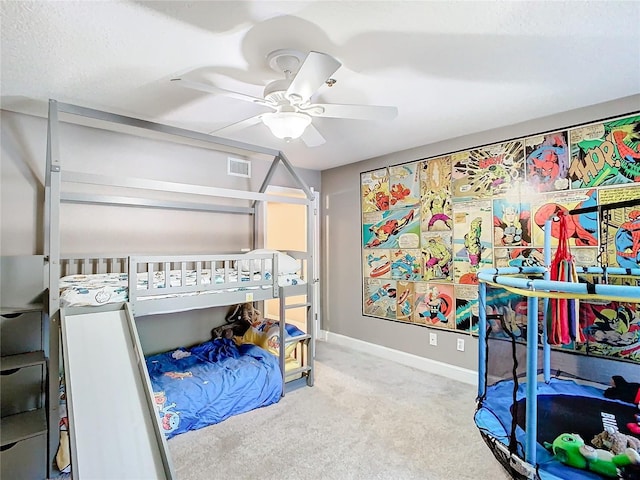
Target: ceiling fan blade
<point>356,112</point>
<point>207,88</point>
<point>234,127</point>
<point>312,137</point>
<point>314,72</point>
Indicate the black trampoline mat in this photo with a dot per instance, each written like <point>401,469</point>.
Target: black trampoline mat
<point>585,416</point>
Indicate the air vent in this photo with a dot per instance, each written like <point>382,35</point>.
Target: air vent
<point>238,167</point>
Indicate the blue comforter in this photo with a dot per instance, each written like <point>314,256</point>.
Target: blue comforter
<point>210,382</point>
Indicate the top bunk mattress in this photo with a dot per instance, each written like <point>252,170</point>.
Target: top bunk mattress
<point>248,274</point>
<point>102,288</point>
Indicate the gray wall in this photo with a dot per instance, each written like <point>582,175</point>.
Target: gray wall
<point>92,229</point>
<point>341,238</point>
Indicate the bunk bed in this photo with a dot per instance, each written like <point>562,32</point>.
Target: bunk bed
<point>83,287</point>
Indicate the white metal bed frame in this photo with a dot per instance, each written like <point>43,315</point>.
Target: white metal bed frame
<point>143,302</point>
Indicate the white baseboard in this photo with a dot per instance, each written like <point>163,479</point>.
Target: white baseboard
<point>425,364</point>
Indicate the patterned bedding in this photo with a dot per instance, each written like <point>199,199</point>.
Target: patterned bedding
<point>102,288</point>
<point>205,384</point>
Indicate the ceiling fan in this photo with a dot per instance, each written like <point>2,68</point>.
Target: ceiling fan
<point>290,98</point>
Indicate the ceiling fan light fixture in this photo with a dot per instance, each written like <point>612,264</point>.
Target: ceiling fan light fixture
<point>286,125</point>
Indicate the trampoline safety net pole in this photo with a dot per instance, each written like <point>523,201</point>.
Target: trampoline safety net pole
<point>482,338</point>
<point>532,381</point>
<point>546,348</point>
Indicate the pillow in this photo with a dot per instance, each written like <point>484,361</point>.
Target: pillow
<point>254,336</point>
<point>267,336</point>
<point>286,263</point>
<point>272,342</point>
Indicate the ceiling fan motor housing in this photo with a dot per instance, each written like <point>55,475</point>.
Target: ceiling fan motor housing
<point>286,61</point>
<point>275,91</point>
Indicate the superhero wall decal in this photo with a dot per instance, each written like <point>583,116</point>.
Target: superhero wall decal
<point>428,226</point>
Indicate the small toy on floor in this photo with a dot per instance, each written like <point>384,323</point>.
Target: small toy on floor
<point>627,392</point>
<point>570,449</point>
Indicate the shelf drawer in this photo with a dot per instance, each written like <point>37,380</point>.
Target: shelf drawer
<point>25,460</point>
<point>22,390</point>
<point>21,333</point>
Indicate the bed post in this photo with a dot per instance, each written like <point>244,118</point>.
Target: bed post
<point>311,281</point>
<point>281,348</point>
<point>52,278</point>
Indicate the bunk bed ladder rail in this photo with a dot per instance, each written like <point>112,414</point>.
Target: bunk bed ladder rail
<point>304,350</point>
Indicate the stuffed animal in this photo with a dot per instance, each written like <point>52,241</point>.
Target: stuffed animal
<point>239,319</point>
<point>615,442</point>
<point>627,392</point>
<point>570,449</point>
<point>223,331</point>
<point>244,312</point>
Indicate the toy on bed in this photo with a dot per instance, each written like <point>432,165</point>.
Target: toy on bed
<point>570,449</point>
<point>239,319</point>
<point>245,324</point>
<point>627,392</point>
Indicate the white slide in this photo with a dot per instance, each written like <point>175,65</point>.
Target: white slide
<point>113,424</point>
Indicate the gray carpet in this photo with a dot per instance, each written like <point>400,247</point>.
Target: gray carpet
<point>365,418</point>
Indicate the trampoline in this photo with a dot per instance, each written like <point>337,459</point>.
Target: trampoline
<point>517,416</point>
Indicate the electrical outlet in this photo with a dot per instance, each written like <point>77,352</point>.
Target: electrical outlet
<point>460,345</point>
<point>433,339</point>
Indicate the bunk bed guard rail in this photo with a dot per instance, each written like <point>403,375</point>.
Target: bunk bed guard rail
<point>163,284</point>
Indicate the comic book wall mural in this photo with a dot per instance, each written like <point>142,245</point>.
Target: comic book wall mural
<point>429,225</point>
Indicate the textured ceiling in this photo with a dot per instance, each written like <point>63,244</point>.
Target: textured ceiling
<point>452,68</point>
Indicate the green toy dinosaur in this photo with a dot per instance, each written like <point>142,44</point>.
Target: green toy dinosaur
<point>570,449</point>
